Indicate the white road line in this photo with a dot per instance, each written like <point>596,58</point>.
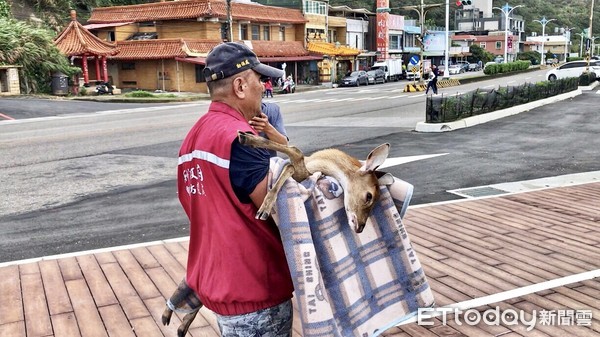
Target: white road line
<point>514,293</point>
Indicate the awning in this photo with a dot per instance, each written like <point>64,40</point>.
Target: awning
<point>367,54</point>
<point>289,58</point>
<point>105,25</point>
<point>193,60</point>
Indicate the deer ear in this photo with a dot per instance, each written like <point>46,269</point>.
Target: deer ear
<point>376,157</point>
<point>384,178</point>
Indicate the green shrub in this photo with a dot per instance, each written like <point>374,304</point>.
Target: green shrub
<point>139,93</point>
<point>587,78</point>
<point>569,59</point>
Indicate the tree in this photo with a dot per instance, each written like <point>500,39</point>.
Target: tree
<point>4,9</point>
<point>33,49</point>
<point>479,54</point>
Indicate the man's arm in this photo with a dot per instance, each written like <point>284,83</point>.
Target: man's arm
<point>261,124</point>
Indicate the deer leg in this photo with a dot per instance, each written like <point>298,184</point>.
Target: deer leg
<point>296,156</point>
<point>185,323</point>
<point>267,205</point>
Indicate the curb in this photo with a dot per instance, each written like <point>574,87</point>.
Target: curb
<point>490,116</point>
<point>415,87</point>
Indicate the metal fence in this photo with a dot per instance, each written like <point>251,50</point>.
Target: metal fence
<point>444,109</point>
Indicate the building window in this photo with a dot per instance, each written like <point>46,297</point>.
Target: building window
<point>243,32</point>
<point>498,44</point>
<point>128,66</point>
<point>255,32</point>
<point>147,24</point>
<point>266,33</point>
<point>111,36</point>
<point>314,7</point>
<point>281,33</point>
<point>200,74</point>
<point>395,42</point>
<point>482,45</point>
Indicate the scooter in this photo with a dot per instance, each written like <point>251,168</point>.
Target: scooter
<point>104,88</point>
<point>288,86</point>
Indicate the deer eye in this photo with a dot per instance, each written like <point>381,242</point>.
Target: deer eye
<point>369,197</point>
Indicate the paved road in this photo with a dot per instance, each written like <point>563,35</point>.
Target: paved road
<point>104,179</point>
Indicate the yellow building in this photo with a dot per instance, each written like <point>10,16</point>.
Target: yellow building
<point>162,46</point>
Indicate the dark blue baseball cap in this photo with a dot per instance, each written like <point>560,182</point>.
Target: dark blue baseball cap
<point>230,58</point>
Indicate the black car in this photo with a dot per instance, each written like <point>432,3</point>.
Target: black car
<point>376,76</point>
<point>355,79</point>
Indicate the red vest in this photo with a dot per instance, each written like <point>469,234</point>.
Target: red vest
<point>236,263</point>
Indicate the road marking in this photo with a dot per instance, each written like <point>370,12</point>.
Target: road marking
<point>514,293</point>
<point>6,117</point>
<point>489,86</point>
<point>389,162</point>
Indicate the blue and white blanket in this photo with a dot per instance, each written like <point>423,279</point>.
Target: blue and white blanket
<point>348,284</point>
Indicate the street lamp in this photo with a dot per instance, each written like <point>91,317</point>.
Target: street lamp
<point>582,34</point>
<point>544,22</point>
<point>567,40</point>
<point>506,9</point>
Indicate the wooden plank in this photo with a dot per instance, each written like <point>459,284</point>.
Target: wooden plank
<point>13,329</point>
<point>29,268</point>
<point>105,257</point>
<point>70,269</point>
<point>144,258</point>
<point>415,330</point>
<point>168,262</point>
<point>179,253</point>
<point>536,303</point>
<point>37,318</point>
<point>65,324</point>
<point>116,323</point>
<point>146,327</point>
<point>126,294</point>
<point>136,275</point>
<point>101,291</point>
<point>11,305</point>
<point>88,319</point>
<point>54,286</point>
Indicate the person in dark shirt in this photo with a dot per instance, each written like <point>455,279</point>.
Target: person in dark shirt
<point>433,81</point>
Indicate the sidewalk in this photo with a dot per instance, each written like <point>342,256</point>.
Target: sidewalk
<point>469,249</point>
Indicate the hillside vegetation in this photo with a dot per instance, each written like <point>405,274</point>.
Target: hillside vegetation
<point>572,13</point>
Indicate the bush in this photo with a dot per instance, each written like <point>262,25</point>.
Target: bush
<point>569,59</point>
<point>139,93</point>
<point>587,78</point>
<point>501,68</point>
<point>452,108</point>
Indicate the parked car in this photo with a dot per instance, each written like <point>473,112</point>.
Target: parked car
<point>463,64</point>
<point>572,69</point>
<point>355,79</point>
<point>474,67</point>
<point>454,69</point>
<point>376,76</point>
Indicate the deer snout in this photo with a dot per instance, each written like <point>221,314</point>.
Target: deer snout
<point>353,219</point>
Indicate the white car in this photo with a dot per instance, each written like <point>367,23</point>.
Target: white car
<point>456,69</point>
<point>572,69</point>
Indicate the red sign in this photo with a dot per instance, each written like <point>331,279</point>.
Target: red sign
<point>382,30</point>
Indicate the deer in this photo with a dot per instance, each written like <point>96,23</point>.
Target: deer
<point>360,182</point>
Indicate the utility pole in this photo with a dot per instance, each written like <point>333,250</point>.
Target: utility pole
<point>229,22</point>
<point>422,11</point>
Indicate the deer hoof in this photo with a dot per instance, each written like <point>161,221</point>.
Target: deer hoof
<point>166,316</point>
<point>262,215</point>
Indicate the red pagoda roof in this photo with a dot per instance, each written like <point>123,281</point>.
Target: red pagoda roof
<point>191,9</point>
<point>76,40</point>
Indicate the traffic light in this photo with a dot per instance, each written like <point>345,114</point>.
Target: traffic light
<point>463,2</point>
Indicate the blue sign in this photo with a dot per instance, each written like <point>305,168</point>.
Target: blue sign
<point>414,60</point>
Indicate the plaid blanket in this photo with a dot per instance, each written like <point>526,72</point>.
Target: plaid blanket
<point>348,284</point>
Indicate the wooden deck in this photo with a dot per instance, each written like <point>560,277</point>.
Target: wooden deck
<point>469,249</point>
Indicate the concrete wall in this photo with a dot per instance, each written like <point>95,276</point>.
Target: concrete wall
<point>9,81</point>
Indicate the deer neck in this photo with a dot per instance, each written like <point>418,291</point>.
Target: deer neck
<point>334,163</point>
